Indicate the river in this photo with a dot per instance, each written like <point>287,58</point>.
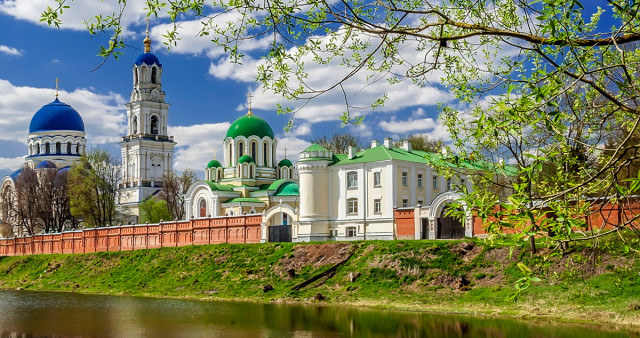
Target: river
<point>51,314</point>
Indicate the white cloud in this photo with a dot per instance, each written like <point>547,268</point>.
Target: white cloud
<point>407,126</point>
<point>8,163</point>
<point>9,50</point>
<point>293,146</point>
<point>103,114</point>
<point>79,11</point>
<point>197,144</point>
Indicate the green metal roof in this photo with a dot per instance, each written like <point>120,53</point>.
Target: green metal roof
<point>288,189</point>
<point>243,199</point>
<point>315,147</point>
<point>214,163</point>
<point>285,163</point>
<point>245,159</point>
<point>250,125</point>
<point>381,153</point>
<point>219,187</point>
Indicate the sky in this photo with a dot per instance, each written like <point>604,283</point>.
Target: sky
<point>206,92</point>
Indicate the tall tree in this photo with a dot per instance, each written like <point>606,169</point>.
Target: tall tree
<point>153,210</point>
<point>173,190</point>
<point>93,188</point>
<point>338,143</point>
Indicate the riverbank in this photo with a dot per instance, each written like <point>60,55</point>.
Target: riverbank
<point>586,285</point>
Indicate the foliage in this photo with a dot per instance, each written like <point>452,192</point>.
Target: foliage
<point>174,187</point>
<point>154,211</point>
<point>37,202</point>
<point>422,142</point>
<point>93,188</point>
<point>338,143</point>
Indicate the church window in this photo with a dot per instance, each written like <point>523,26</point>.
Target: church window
<point>230,154</point>
<point>285,219</point>
<point>435,182</point>
<point>352,206</point>
<point>68,147</point>
<point>135,76</point>
<point>153,75</point>
<point>37,148</point>
<point>250,171</point>
<point>218,172</point>
<point>254,151</point>
<point>47,148</point>
<point>377,206</point>
<point>291,173</point>
<point>134,124</point>
<point>240,149</point>
<point>58,148</point>
<point>154,124</point>
<point>352,179</point>
<point>31,150</point>
<point>203,208</point>
<point>264,153</point>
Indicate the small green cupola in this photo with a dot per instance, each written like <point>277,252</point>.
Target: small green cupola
<point>245,159</point>
<point>285,163</point>
<point>214,164</point>
<point>316,152</point>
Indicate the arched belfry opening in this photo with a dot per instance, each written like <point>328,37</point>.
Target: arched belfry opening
<point>153,75</point>
<point>154,125</point>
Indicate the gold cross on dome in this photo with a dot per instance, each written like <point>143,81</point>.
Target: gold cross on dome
<point>285,152</point>
<point>57,81</point>
<point>250,96</point>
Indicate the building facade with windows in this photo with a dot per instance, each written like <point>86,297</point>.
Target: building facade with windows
<point>353,196</point>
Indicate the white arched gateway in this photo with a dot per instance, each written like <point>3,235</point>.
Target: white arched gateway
<point>440,225</point>
<point>279,221</point>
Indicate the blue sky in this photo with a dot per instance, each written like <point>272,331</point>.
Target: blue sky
<point>205,91</point>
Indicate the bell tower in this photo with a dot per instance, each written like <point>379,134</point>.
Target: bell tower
<point>147,149</point>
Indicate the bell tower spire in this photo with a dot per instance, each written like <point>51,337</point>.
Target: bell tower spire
<point>147,41</point>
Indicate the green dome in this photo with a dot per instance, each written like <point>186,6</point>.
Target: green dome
<point>285,163</point>
<point>214,164</point>
<point>245,159</point>
<point>250,125</point>
<point>288,189</point>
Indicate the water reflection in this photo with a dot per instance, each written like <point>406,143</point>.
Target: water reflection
<point>40,314</point>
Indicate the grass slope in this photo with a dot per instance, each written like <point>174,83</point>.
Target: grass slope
<point>586,285</point>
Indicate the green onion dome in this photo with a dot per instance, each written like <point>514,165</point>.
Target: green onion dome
<point>214,164</point>
<point>250,125</point>
<point>245,159</point>
<point>285,163</point>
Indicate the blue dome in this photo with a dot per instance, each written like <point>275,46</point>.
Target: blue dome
<point>148,59</point>
<point>56,116</point>
<point>14,175</point>
<point>46,165</point>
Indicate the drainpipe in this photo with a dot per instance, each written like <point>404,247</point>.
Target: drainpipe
<point>366,199</point>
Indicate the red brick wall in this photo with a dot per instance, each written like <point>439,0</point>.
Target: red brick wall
<point>405,223</point>
<point>231,229</point>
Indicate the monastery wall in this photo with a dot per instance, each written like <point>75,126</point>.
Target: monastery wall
<point>231,229</point>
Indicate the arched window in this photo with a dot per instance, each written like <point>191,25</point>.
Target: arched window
<point>58,148</point>
<point>240,149</point>
<point>291,173</point>
<point>264,153</point>
<point>218,174</point>
<point>68,147</point>
<point>153,75</point>
<point>134,125</point>
<point>203,208</point>
<point>254,151</point>
<point>30,150</point>
<point>47,148</point>
<point>135,75</point>
<point>37,148</point>
<point>230,154</point>
<point>250,171</point>
<point>154,124</point>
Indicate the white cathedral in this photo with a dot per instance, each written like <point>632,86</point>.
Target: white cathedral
<point>326,196</point>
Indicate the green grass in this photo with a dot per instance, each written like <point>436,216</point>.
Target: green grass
<point>417,275</point>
